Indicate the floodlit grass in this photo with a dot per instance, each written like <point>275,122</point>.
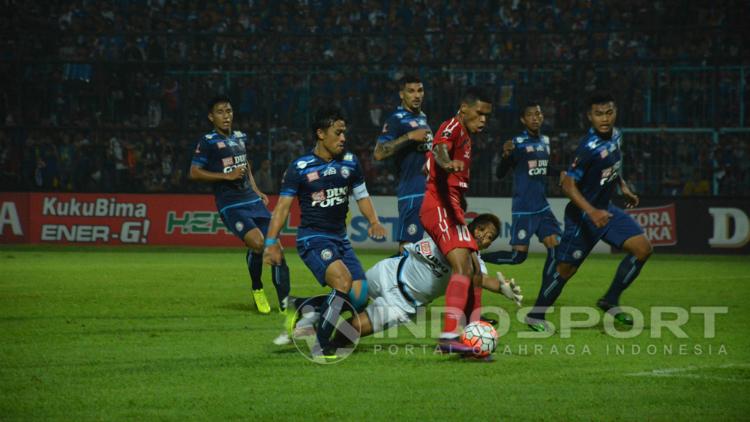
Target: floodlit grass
<point>158,333</point>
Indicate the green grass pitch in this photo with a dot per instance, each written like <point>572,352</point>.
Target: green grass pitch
<point>171,334</point>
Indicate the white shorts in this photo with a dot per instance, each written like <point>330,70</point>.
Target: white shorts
<point>388,306</point>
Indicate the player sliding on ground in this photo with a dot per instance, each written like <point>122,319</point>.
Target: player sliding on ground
<point>398,286</point>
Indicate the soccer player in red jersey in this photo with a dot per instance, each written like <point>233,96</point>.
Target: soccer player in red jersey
<point>442,212</point>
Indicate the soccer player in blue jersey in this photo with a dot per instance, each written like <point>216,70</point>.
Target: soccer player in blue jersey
<point>528,155</point>
<point>406,136</point>
<point>221,159</point>
<point>322,181</point>
<point>590,181</point>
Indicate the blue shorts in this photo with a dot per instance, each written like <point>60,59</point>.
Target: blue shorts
<point>541,223</point>
<point>318,251</point>
<point>409,227</point>
<point>581,235</point>
<point>243,217</point>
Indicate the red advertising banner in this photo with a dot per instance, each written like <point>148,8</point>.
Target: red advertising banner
<point>120,219</point>
<point>659,223</point>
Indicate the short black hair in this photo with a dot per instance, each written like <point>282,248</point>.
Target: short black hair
<point>483,219</point>
<point>474,94</point>
<point>527,105</point>
<point>599,97</point>
<point>217,100</point>
<point>409,78</point>
<point>325,118</point>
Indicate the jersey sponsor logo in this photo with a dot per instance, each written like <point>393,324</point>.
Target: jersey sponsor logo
<point>330,197</point>
<point>221,145</point>
<point>227,161</point>
<point>345,172</point>
<point>348,156</point>
<point>385,128</point>
<point>609,174</point>
<point>529,149</point>
<point>312,176</point>
<point>604,153</point>
<point>329,171</point>
<point>326,254</point>
<point>538,167</point>
<point>463,185</point>
<point>424,248</point>
<point>413,123</point>
<point>540,147</point>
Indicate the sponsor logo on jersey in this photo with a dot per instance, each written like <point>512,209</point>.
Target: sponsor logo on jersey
<point>227,161</point>
<point>529,149</point>
<point>326,254</point>
<point>329,171</point>
<point>312,176</point>
<point>330,197</point>
<point>348,156</point>
<point>345,172</point>
<point>221,145</point>
<point>424,248</point>
<point>540,147</point>
<point>538,167</point>
<point>604,153</point>
<point>385,128</point>
<point>413,123</point>
<point>610,173</point>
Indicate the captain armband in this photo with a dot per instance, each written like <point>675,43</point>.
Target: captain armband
<point>360,192</point>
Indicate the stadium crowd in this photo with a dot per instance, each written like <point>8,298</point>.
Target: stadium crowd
<point>109,96</point>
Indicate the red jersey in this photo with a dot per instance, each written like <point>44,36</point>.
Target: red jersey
<point>453,134</point>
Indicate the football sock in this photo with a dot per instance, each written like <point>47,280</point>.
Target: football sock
<point>456,296</point>
<point>329,316</point>
<point>280,278</point>
<point>505,257</point>
<point>255,268</point>
<point>552,285</point>
<point>550,263</point>
<point>628,270</point>
<point>314,302</point>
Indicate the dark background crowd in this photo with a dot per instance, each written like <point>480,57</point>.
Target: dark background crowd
<point>109,96</point>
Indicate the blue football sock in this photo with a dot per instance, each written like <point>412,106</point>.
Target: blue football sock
<point>329,315</point>
<point>255,268</point>
<point>628,270</point>
<point>552,285</point>
<point>280,278</point>
<point>505,257</point>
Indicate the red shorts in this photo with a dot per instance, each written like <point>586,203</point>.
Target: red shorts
<point>443,228</point>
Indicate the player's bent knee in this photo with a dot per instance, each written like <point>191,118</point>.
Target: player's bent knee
<point>254,240</point>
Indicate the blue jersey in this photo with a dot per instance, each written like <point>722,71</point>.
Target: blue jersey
<point>411,158</point>
<point>221,154</point>
<point>530,159</point>
<point>323,189</point>
<point>596,167</point>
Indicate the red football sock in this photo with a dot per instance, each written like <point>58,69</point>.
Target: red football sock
<point>456,296</point>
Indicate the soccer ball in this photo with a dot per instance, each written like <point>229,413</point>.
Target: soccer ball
<point>480,336</point>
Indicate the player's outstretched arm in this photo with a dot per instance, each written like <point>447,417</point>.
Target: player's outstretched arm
<point>201,175</point>
<point>507,288</point>
<point>385,149</point>
<point>506,160</point>
<point>272,254</point>
<point>599,217</point>
<point>366,207</point>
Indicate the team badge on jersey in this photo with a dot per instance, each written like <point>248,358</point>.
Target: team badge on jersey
<point>326,254</point>
<point>312,176</point>
<point>345,172</point>
<point>301,164</point>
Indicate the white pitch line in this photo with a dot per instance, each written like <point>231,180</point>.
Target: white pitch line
<point>678,372</point>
